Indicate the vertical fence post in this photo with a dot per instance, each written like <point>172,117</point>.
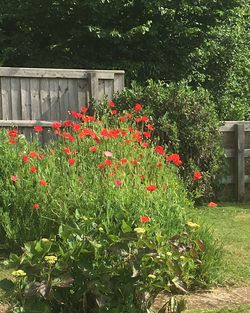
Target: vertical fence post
<point>240,162</point>
<point>94,88</point>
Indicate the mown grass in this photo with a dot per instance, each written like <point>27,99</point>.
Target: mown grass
<point>231,225</point>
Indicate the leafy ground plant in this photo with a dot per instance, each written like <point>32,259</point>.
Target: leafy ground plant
<point>102,217</point>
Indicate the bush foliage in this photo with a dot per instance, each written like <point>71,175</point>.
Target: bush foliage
<point>187,123</point>
<point>102,216</point>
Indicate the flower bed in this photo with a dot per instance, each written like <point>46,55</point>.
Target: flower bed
<point>102,216</point>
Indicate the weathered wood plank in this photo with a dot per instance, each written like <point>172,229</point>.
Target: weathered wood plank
<point>35,99</point>
<point>93,85</point>
<point>101,89</point>
<point>119,82</point>
<point>247,153</point>
<point>45,99</point>
<point>1,111</point>
<point>25,99</point>
<point>55,73</point>
<point>16,99</point>
<point>63,98</point>
<point>81,91</point>
<point>229,153</point>
<point>231,180</point>
<point>6,98</point>
<point>109,88</point>
<point>240,167</point>
<point>24,123</point>
<point>73,95</point>
<point>54,99</point>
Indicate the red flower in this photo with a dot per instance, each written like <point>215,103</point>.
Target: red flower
<point>122,118</point>
<point>144,144</point>
<point>33,169</point>
<point>151,188</point>
<point>118,182</point>
<point>76,127</point>
<point>144,119</point>
<point>92,149</point>
<point>100,165</point>
<point>137,107</point>
<point>127,141</point>
<point>134,162</point>
<point>144,219</point>
<point>124,161</point>
<point>175,158</point>
<point>128,115</point>
<point>38,128</point>
<point>42,182</point>
<point>67,123</point>
<point>108,162</point>
<point>13,141</point>
<point>147,134</point>
<point>197,175</point>
<point>67,150</point>
<point>111,104</point>
<point>33,154</point>
<point>84,109</point>
<point>41,156</point>
<point>212,204</point>
<point>159,149</point>
<point>150,127</point>
<point>25,158</point>
<point>35,206</point>
<point>13,178</point>
<point>13,132</point>
<point>71,161</point>
<point>56,125</point>
<point>114,112</point>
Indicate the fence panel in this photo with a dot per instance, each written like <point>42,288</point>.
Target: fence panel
<point>236,142</point>
<point>48,94</point>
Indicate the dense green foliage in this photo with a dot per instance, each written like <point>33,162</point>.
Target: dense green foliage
<point>203,41</point>
<point>187,123</point>
<point>108,216</point>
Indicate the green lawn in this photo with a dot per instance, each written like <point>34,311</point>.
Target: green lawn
<point>231,225</point>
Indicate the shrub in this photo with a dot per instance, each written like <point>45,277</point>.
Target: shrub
<point>186,122</point>
<point>105,214</point>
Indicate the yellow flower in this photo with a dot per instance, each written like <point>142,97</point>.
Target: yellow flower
<point>169,253</point>
<point>140,230</point>
<point>45,240</point>
<point>51,259</point>
<point>182,257</point>
<point>193,225</point>
<point>151,276</point>
<point>19,273</point>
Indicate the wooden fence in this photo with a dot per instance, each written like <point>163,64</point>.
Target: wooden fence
<point>236,142</point>
<point>48,94</point>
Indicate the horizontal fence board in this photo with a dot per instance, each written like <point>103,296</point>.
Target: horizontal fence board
<point>55,73</point>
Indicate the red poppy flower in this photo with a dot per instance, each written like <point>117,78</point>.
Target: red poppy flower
<point>13,178</point>
<point>150,127</point>
<point>118,182</point>
<point>144,119</point>
<point>56,125</point>
<point>67,123</point>
<point>122,118</point>
<point>212,204</point>
<point>100,165</point>
<point>92,149</point>
<point>12,141</point>
<point>33,154</point>
<point>151,188</point>
<point>38,128</point>
<point>134,162</point>
<point>114,112</point>
<point>71,161</point>
<point>41,156</point>
<point>144,219</point>
<point>25,158</point>
<point>128,115</point>
<point>108,162</point>
<point>13,132</point>
<point>124,161</point>
<point>76,127</point>
<point>147,134</point>
<point>35,206</point>
<point>111,104</point>
<point>42,182</point>
<point>175,158</point>
<point>137,107</point>
<point>159,149</point>
<point>197,175</point>
<point>33,169</point>
<point>67,150</point>
<point>144,144</point>
<point>84,109</point>
<point>127,141</point>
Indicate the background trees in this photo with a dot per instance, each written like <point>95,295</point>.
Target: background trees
<point>201,41</point>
